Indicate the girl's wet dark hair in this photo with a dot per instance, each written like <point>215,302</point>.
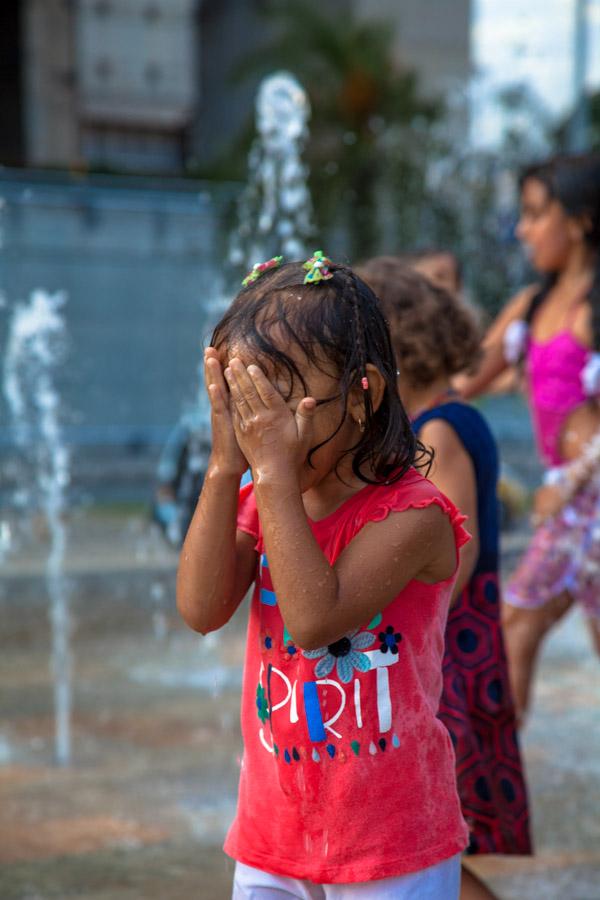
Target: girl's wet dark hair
<point>336,324</point>
<point>574,182</point>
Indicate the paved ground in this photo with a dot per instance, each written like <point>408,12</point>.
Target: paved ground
<point>140,812</point>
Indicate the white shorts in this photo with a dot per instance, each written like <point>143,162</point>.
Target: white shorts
<point>440,882</point>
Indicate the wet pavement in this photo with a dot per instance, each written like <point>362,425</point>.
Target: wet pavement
<point>141,812</point>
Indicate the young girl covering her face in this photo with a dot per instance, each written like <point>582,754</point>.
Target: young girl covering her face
<point>347,786</point>
<point>553,328</point>
<point>435,336</point>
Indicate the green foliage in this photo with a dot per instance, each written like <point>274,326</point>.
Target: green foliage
<point>563,131</point>
<point>390,169</point>
<point>594,121</point>
<point>362,103</point>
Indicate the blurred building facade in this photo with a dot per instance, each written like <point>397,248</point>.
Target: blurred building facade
<point>108,83</point>
<point>146,85</point>
<point>137,72</point>
<point>433,37</point>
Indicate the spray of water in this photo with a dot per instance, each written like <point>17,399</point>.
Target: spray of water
<point>275,211</point>
<point>36,341</point>
<point>274,217</point>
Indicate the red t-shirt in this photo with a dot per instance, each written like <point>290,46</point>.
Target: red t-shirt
<point>347,773</point>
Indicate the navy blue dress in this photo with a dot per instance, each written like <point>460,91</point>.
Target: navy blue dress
<point>476,705</point>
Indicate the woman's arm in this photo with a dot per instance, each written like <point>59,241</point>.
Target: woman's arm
<point>493,361</point>
<point>217,562</point>
<point>454,474</point>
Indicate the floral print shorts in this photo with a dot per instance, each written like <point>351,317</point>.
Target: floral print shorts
<point>564,555</point>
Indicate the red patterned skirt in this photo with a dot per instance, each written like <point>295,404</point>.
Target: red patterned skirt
<point>478,711</point>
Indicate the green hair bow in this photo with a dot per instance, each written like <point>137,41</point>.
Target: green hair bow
<point>318,268</point>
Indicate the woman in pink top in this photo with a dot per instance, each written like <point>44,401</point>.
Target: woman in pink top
<point>553,327</point>
<point>347,787</point>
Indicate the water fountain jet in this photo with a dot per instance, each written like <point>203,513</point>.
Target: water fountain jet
<point>36,341</point>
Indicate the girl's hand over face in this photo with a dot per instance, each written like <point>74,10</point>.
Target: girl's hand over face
<point>274,440</point>
<point>225,454</point>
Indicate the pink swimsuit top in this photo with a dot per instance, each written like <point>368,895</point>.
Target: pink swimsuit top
<point>555,389</point>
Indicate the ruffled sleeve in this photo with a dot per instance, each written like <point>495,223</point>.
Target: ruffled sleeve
<point>247,517</point>
<point>415,492</point>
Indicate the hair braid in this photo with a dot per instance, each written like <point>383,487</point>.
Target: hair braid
<point>359,338</point>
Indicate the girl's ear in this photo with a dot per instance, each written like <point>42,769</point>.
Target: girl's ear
<point>356,400</point>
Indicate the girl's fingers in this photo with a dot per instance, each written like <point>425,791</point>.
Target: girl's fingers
<point>239,425</point>
<point>213,371</point>
<point>242,389</point>
<point>304,420</point>
<point>263,387</point>
<point>215,383</point>
<point>216,398</point>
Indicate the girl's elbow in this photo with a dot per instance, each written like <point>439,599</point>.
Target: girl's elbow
<point>309,642</point>
<point>193,616</point>
<point>312,635</point>
<point>302,634</point>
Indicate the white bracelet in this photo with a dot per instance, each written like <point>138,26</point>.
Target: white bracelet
<point>567,477</point>
<point>556,477</point>
<point>590,375</point>
<point>515,341</point>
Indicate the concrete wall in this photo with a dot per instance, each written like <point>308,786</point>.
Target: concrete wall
<point>140,268</point>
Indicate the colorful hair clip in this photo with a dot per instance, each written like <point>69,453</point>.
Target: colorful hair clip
<point>259,269</point>
<point>318,268</point>
<point>364,383</point>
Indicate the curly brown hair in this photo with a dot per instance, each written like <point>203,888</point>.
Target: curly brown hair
<point>433,332</point>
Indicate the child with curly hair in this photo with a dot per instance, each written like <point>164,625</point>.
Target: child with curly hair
<point>435,336</point>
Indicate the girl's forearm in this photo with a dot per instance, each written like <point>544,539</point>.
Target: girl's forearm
<point>206,575</point>
<point>305,583</point>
